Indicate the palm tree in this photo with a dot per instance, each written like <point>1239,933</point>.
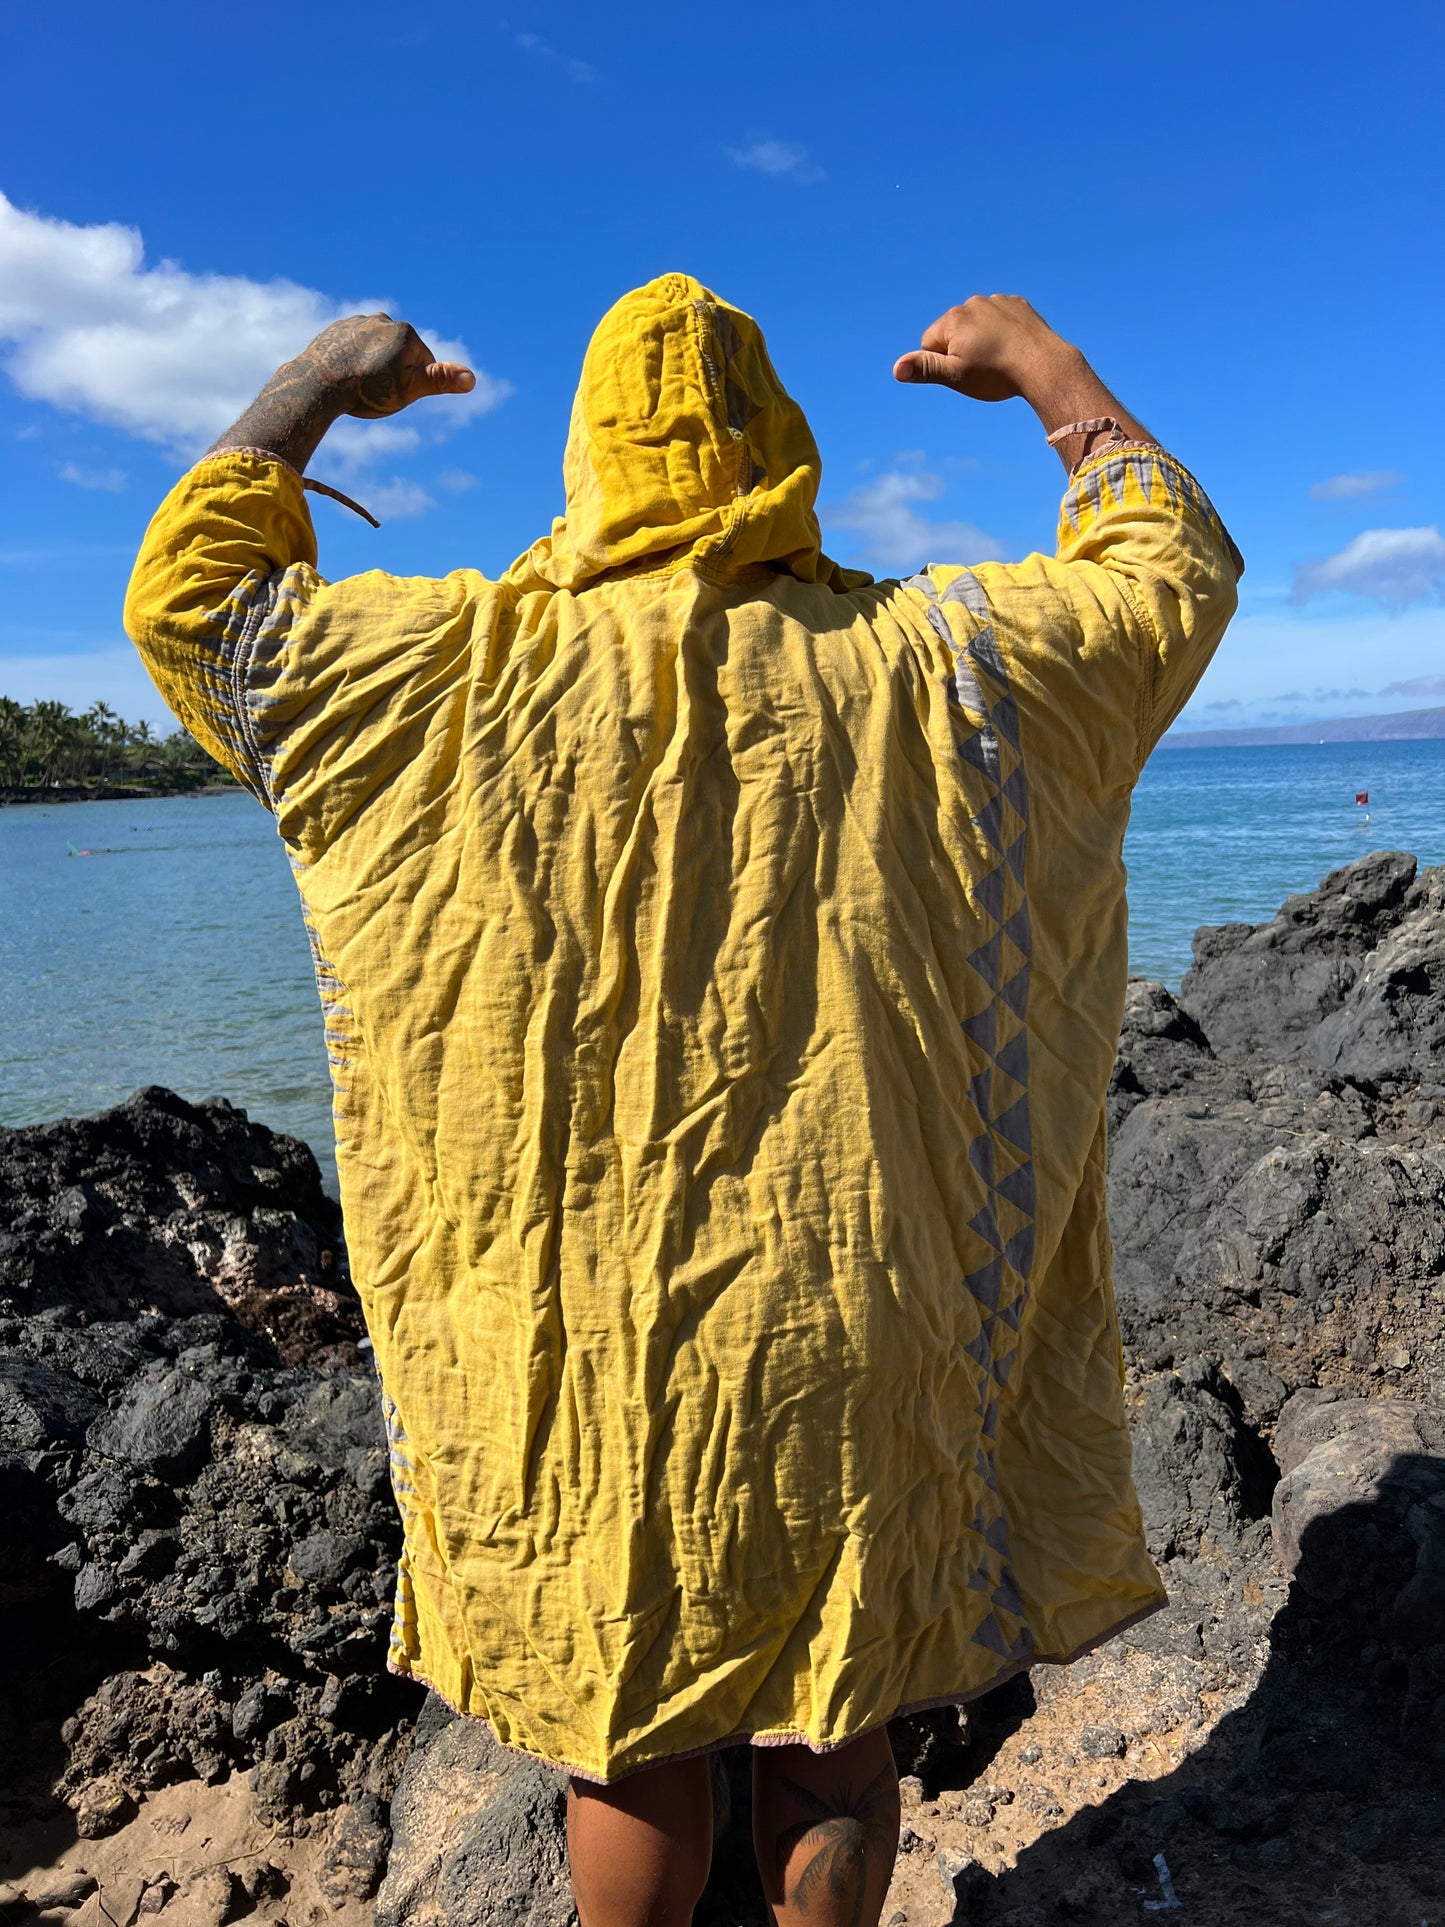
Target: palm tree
<point>54,734</point>
<point>105,727</point>
<point>13,719</point>
<point>141,738</point>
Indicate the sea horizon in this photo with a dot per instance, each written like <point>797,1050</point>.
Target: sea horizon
<point>170,949</point>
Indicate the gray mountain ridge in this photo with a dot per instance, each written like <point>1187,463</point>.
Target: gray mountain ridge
<point>1403,726</point>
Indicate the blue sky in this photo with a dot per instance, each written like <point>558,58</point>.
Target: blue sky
<point>1235,211</point>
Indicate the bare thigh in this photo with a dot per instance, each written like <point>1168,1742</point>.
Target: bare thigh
<point>640,1850</point>
<point>825,1826</point>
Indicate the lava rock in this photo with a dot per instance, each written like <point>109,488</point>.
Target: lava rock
<point>1160,1047</point>
<point>1199,1471</point>
<point>1269,987</point>
<point>1360,1511</point>
<point>63,1893</point>
<point>160,1425</point>
<point>103,1807</point>
<point>355,1857</point>
<point>174,1208</point>
<point>197,1536</point>
<point>478,1838</point>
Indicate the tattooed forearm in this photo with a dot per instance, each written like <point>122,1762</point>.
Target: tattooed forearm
<point>367,365</point>
<point>290,415</point>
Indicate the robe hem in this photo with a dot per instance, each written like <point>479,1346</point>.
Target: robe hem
<point>744,1738</point>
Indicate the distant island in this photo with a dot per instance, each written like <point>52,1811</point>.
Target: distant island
<point>1405,726</point>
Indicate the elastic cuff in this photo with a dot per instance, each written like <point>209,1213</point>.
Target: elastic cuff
<point>261,454</point>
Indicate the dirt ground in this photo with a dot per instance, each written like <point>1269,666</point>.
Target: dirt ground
<point>193,1851</point>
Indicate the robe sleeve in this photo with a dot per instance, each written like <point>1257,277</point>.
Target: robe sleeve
<point>1105,640</point>
<point>315,694</point>
<point>227,567</point>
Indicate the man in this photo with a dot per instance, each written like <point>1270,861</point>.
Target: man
<point>722,957</point>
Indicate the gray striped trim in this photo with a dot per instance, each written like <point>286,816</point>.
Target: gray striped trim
<point>1147,466</point>
<point>249,630</point>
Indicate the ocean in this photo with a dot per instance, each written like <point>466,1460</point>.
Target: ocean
<point>172,951</point>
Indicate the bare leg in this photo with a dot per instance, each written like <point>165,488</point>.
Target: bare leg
<point>825,1826</point>
<point>640,1850</point>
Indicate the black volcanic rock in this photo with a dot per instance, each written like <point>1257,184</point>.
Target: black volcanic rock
<point>1160,1047</point>
<point>162,1422</point>
<point>197,1535</point>
<point>1350,977</point>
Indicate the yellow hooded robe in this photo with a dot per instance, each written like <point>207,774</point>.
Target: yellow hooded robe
<point>721,957</point>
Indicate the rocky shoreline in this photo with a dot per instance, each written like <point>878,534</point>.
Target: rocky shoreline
<point>18,795</point>
<point>197,1535</point>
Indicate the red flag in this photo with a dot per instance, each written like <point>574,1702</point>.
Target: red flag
<point>1362,796</point>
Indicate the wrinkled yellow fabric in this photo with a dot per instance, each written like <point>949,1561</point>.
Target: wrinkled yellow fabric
<point>722,958</point>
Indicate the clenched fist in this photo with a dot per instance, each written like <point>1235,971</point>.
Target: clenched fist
<point>992,347</point>
<point>367,365</point>
<point>376,366</point>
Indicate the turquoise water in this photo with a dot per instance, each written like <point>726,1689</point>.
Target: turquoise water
<point>174,952</point>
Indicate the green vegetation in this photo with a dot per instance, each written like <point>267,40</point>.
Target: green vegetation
<point>47,744</point>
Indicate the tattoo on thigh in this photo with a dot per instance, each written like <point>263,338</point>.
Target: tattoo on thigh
<point>842,1833</point>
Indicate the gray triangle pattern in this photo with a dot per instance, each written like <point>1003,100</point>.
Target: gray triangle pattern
<point>989,891</point>
<point>1018,1188</point>
<point>999,1287</point>
<point>1006,1597</point>
<point>1013,1059</point>
<point>984,1285</point>
<point>1014,1125</point>
<point>989,821</point>
<point>981,749</point>
<point>1015,992</point>
<point>1020,1253</point>
<point>1005,719</point>
<point>991,1635</point>
<point>1016,790</point>
<point>983,1028</point>
<point>986,1225</point>
<point>985,960</point>
<point>984,652</point>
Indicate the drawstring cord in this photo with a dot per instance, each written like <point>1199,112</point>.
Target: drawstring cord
<point>321,488</point>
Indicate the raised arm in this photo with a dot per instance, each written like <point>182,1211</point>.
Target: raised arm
<point>367,365</point>
<point>227,567</point>
<point>996,346</point>
<point>1108,636</point>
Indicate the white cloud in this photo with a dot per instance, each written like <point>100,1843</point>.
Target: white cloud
<point>1345,488</point>
<point>112,480</point>
<point>392,501</point>
<point>578,70</point>
<point>783,160</point>
<point>1393,567</point>
<point>1416,686</point>
<point>456,481</point>
<point>888,533</point>
<point>167,355</point>
<point>1332,656</point>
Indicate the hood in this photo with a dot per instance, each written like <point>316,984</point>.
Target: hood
<point>685,451</point>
